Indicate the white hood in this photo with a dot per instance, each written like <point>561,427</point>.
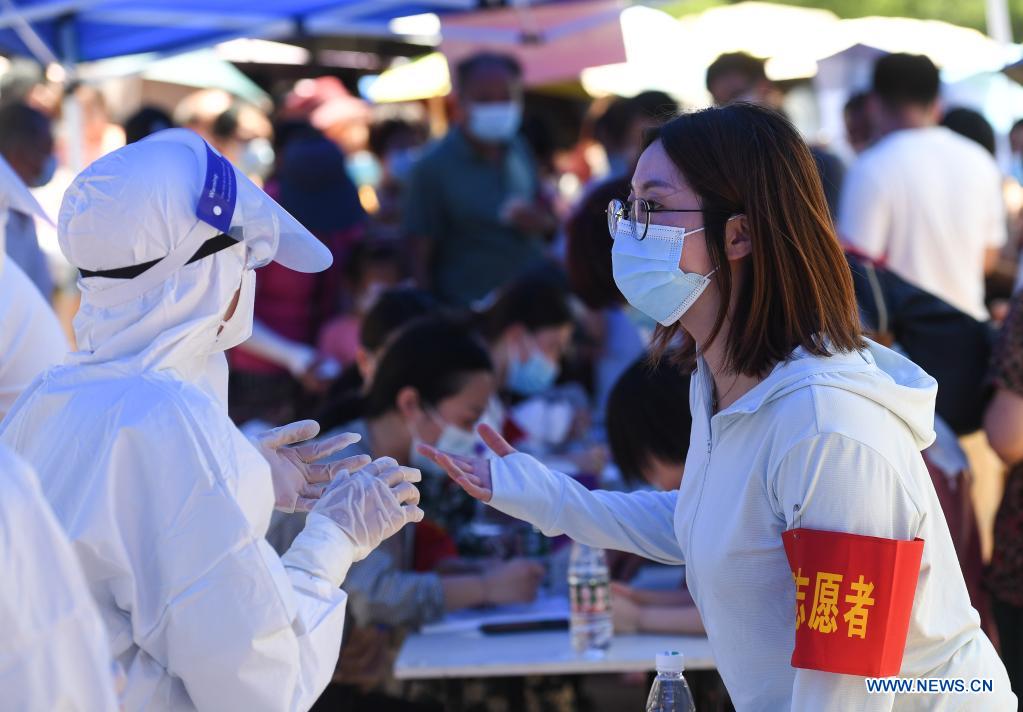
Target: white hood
<point>159,201</point>
<point>876,373</point>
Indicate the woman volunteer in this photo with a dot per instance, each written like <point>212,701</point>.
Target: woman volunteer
<point>799,423</point>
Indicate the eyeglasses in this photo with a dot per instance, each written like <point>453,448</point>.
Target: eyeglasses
<point>637,214</point>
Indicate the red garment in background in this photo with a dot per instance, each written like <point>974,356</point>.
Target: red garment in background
<point>297,305</point>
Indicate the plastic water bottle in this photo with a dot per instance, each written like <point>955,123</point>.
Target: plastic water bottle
<point>589,591</point>
<point>670,693</point>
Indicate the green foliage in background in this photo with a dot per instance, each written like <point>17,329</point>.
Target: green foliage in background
<point>968,13</point>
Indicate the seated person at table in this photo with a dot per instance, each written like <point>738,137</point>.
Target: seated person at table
<point>392,310</point>
<point>431,385</point>
<point>648,423</point>
<point>528,329</point>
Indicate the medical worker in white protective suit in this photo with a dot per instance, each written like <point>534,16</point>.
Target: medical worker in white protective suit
<point>31,339</point>
<point>53,647</point>
<point>165,501</point>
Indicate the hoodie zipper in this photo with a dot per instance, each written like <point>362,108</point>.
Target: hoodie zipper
<point>699,496</point>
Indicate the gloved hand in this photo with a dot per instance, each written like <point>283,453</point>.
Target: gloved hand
<point>372,504</point>
<point>298,479</point>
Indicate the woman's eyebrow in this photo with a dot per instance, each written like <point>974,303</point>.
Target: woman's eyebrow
<point>654,183</point>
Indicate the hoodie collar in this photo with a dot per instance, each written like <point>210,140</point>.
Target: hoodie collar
<point>875,372</point>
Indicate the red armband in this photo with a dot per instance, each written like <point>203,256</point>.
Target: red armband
<point>854,597</point>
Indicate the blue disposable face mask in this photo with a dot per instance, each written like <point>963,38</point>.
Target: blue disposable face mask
<point>647,272</point>
<point>531,376</point>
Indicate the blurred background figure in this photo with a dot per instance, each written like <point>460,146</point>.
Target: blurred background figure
<point>648,424</point>
<point>26,143</point>
<point>100,135</point>
<point>373,266</point>
<point>327,105</point>
<point>432,386</point>
<point>858,130</point>
<point>396,144</point>
<point>145,121</point>
<point>279,371</point>
<point>972,125</point>
<point>473,209</point>
<point>235,128</point>
<point>924,199</point>
<point>739,76</point>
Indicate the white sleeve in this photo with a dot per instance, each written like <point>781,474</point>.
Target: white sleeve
<point>637,522</point>
<point>821,484</point>
<point>864,218</point>
<point>210,600</point>
<point>54,653</point>
<point>268,344</point>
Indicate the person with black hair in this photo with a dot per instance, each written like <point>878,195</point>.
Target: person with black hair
<point>528,328</point>
<point>432,386</point>
<point>972,125</point>
<point>473,207</point>
<point>280,370</point>
<point>372,267</point>
<point>859,133</point>
<point>739,76</point>
<point>648,424</point>
<point>147,120</point>
<point>923,199</point>
<point>26,143</point>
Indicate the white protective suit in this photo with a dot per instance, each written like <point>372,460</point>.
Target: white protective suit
<point>53,651</point>
<point>31,339</point>
<point>821,443</point>
<point>165,501</point>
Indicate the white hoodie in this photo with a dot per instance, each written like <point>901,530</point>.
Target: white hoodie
<point>822,443</point>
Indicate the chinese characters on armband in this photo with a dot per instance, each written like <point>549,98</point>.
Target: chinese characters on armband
<point>854,597</point>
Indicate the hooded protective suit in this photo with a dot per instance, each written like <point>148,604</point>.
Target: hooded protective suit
<point>165,501</point>
<point>31,339</point>
<point>822,443</point>
<point>53,652</point>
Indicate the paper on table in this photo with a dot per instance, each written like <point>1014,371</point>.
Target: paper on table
<point>542,609</point>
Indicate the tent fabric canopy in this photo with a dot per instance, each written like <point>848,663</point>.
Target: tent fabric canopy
<point>72,31</point>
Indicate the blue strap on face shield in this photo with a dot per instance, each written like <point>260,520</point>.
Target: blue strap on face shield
<point>219,192</point>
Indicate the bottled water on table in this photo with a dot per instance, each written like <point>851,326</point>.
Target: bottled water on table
<point>589,590</point>
<point>670,693</point>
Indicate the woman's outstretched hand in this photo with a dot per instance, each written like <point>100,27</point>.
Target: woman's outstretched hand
<point>471,474</point>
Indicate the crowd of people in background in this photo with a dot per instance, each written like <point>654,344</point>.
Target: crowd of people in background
<point>469,286</point>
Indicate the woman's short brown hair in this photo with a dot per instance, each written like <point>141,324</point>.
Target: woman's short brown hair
<point>797,289</point>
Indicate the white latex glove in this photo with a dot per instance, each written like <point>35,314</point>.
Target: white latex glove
<point>372,504</point>
<point>298,478</point>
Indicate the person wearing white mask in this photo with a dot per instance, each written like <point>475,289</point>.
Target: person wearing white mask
<point>472,203</point>
<point>165,501</point>
<point>432,384</point>
<point>31,339</point>
<point>804,468</point>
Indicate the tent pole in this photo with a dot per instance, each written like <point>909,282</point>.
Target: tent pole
<point>71,110</point>
<point>999,27</point>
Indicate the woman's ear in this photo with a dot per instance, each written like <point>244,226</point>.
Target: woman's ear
<point>408,402</point>
<point>737,238</point>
